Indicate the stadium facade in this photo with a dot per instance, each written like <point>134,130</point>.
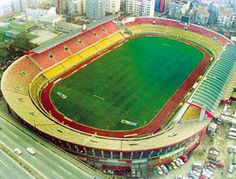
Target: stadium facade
<point>144,148</point>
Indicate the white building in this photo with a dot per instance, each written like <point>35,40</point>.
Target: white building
<point>76,7</point>
<point>226,21</point>
<point>5,7</point>
<point>112,6</point>
<point>140,7</point>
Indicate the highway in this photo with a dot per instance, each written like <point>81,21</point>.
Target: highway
<point>7,165</point>
<point>48,162</point>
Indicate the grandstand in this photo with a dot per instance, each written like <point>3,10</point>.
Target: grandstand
<point>160,142</point>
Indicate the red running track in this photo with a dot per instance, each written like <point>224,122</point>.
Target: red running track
<point>154,126</point>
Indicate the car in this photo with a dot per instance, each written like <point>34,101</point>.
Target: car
<point>234,161</point>
<point>197,165</point>
<point>133,171</point>
<point>230,168</point>
<point>210,168</point>
<point>183,158</point>
<point>176,162</point>
<point>180,161</point>
<point>209,164</point>
<point>232,149</point>
<point>172,164</point>
<point>206,172</point>
<point>17,151</point>
<point>195,173</point>
<point>30,150</point>
<point>168,166</point>
<point>159,170</point>
<point>164,169</point>
<point>213,151</point>
<point>138,174</point>
<point>178,176</point>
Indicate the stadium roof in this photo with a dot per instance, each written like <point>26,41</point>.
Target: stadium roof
<point>68,36</point>
<point>215,84</point>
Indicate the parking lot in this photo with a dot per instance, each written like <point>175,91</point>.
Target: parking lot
<point>201,156</point>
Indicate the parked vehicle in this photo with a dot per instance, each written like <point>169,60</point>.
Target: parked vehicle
<point>177,163</point>
<point>214,151</point>
<point>164,169</point>
<point>197,165</point>
<point>230,168</point>
<point>180,161</point>
<point>183,158</point>
<point>30,150</point>
<point>17,151</point>
<point>159,170</point>
<point>232,149</point>
<point>168,166</point>
<point>172,164</point>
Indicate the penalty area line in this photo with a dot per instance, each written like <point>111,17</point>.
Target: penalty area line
<point>98,97</point>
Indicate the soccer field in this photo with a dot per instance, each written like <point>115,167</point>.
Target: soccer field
<point>131,83</point>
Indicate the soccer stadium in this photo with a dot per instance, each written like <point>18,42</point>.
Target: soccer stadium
<point>123,96</point>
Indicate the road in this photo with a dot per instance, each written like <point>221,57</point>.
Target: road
<point>7,164</point>
<point>48,162</point>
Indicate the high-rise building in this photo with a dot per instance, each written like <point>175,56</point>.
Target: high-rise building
<point>61,6</point>
<point>213,9</point>
<point>95,9</point>
<point>234,5</point>
<point>159,6</point>
<point>140,7</point>
<point>5,7</point>
<point>112,6</point>
<point>76,7</point>
<point>199,16</point>
<point>20,5</point>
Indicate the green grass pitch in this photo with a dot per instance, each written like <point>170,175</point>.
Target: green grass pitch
<point>131,83</point>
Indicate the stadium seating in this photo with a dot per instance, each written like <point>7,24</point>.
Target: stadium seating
<point>116,37</point>
<point>71,61</point>
<point>35,85</point>
<point>54,71</point>
<point>88,52</point>
<point>60,52</point>
<point>43,60</point>
<point>110,27</point>
<point>74,45</point>
<point>22,74</point>
<point>103,44</point>
<point>100,33</point>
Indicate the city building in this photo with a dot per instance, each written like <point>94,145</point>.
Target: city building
<point>95,9</point>
<point>76,7</point>
<point>20,5</point>
<point>226,18</point>
<point>174,10</point>
<point>140,7</point>
<point>5,7</point>
<point>213,10</point>
<point>199,16</point>
<point>112,6</point>
<point>234,5</point>
<point>61,6</point>
<point>159,6</point>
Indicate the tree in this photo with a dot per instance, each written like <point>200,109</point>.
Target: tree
<point>3,52</point>
<point>20,44</point>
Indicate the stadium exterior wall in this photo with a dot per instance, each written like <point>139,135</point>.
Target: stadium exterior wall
<point>121,164</point>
